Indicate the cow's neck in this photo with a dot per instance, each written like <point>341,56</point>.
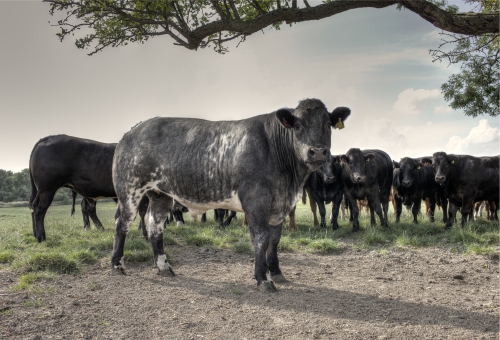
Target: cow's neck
<point>283,154</point>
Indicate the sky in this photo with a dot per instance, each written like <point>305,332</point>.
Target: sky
<point>375,61</point>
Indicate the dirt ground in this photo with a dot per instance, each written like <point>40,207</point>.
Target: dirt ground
<point>357,294</point>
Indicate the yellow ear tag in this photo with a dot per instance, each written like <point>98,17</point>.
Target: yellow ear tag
<point>418,168</point>
<point>452,161</point>
<point>368,159</point>
<point>339,124</point>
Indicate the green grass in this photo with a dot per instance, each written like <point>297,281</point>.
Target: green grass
<point>70,248</point>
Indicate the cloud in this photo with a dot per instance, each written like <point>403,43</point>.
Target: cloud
<point>410,100</point>
<point>442,110</point>
<point>481,140</point>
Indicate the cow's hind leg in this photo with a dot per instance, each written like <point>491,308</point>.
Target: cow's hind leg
<point>93,215</point>
<point>125,215</point>
<point>41,204</point>
<point>143,208</point>
<point>158,210</point>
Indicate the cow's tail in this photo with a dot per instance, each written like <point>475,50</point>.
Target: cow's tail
<point>304,194</point>
<point>34,190</point>
<point>73,196</point>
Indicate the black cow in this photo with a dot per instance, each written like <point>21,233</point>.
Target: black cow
<point>465,180</point>
<point>256,165</point>
<point>413,182</point>
<point>325,186</point>
<point>367,173</point>
<point>63,161</point>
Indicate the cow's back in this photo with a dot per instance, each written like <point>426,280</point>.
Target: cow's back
<point>196,160</point>
<point>384,168</point>
<point>78,163</point>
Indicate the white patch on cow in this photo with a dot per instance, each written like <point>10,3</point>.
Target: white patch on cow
<point>231,203</point>
<point>180,224</point>
<point>161,262</point>
<point>151,223</point>
<point>122,264</point>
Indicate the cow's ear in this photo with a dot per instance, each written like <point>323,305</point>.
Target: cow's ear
<point>425,161</point>
<point>338,116</point>
<point>395,165</point>
<point>369,157</point>
<point>335,159</point>
<point>285,117</point>
<point>343,159</point>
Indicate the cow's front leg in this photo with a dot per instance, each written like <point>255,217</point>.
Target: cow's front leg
<point>378,209</point>
<point>467,205</point>
<point>337,201</point>
<point>416,208</point>
<point>260,235</point>
<point>399,207</point>
<point>272,254</point>
<point>452,212</point>
<point>322,213</point>
<point>354,212</point>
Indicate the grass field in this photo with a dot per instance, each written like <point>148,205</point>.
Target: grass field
<point>70,248</point>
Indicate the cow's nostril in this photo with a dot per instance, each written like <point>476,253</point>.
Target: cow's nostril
<point>325,152</point>
<point>311,153</point>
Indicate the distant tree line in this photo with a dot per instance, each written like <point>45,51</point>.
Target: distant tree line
<point>16,187</point>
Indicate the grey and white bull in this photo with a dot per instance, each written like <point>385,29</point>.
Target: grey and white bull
<point>257,166</point>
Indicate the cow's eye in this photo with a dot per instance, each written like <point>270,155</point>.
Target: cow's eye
<point>297,126</point>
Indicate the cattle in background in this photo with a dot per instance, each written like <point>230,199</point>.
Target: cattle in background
<point>465,180</point>
<point>82,165</point>
<point>367,173</point>
<point>489,206</point>
<point>413,182</point>
<point>325,186</point>
<point>256,165</point>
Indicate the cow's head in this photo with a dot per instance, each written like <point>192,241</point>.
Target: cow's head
<point>326,170</point>
<point>409,168</point>
<point>442,165</point>
<point>359,166</point>
<point>311,125</point>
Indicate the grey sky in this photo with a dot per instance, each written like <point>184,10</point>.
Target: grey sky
<point>374,61</point>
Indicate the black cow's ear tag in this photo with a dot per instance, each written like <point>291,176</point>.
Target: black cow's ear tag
<point>452,161</point>
<point>339,124</point>
<point>368,159</point>
<point>418,168</point>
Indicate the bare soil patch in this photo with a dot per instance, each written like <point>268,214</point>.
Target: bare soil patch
<point>426,293</point>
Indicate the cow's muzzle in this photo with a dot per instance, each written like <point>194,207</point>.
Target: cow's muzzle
<point>440,179</point>
<point>317,155</point>
<point>407,183</point>
<point>357,178</point>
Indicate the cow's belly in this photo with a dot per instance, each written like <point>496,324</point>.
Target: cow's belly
<point>231,203</point>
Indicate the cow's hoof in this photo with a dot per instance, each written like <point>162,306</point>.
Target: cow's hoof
<point>279,278</point>
<point>118,271</point>
<point>356,230</point>
<point>268,287</point>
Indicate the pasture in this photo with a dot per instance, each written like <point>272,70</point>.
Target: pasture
<point>402,282</point>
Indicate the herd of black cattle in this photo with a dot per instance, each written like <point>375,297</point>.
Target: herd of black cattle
<point>261,166</point>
